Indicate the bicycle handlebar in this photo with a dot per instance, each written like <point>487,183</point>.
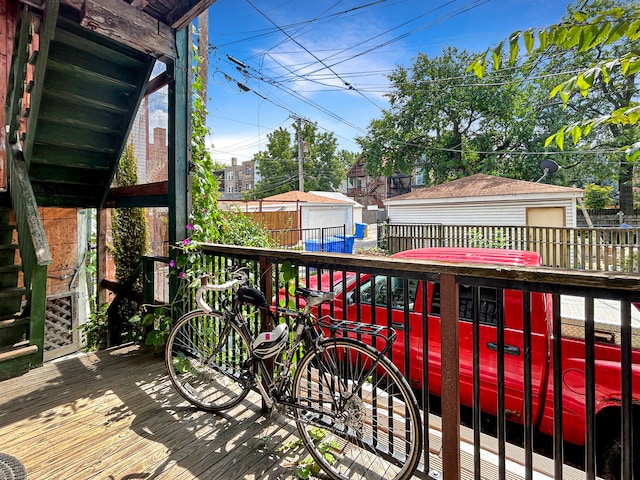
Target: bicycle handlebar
<point>216,287</point>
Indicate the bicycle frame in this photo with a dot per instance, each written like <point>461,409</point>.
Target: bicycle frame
<point>274,385</point>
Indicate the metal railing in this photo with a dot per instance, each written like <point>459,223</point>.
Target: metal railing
<point>440,337</point>
<point>321,239</point>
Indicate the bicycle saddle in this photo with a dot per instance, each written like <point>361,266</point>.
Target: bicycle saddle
<point>314,297</point>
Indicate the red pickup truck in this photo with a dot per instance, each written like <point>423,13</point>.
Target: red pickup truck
<point>608,356</point>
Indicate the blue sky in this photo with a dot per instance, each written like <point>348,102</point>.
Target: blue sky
<point>327,60</point>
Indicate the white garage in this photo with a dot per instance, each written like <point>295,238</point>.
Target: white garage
<point>487,200</point>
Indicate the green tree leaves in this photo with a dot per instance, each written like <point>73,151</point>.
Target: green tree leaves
<point>324,167</point>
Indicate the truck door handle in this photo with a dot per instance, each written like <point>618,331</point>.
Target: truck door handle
<point>508,349</point>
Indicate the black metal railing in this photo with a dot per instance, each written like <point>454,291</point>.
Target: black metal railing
<point>321,239</point>
<point>479,345</point>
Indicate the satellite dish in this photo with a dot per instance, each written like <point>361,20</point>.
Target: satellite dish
<point>547,167</point>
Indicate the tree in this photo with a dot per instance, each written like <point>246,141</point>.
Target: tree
<point>443,121</point>
<point>324,167</point>
<point>130,241</point>
<point>606,33</point>
<point>596,196</point>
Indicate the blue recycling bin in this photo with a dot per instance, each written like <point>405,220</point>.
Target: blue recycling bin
<point>361,230</point>
<point>312,245</point>
<point>334,244</point>
<point>346,241</point>
<point>327,244</point>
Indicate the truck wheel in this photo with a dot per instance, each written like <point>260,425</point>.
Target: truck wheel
<point>610,464</point>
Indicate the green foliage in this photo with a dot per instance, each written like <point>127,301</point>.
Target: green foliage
<point>584,31</point>
<point>96,329</point>
<point>596,196</point>
<point>152,326</point>
<point>443,122</point>
<point>308,467</point>
<point>324,167</point>
<point>498,239</point>
<point>207,224</point>
<point>130,237</point>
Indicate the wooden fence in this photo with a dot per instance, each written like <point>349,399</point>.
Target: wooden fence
<point>603,249</point>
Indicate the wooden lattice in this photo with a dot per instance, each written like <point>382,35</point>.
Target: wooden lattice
<point>61,325</point>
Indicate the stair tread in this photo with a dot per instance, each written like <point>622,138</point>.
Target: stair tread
<point>13,320</point>
<point>11,292</point>
<point>17,350</point>
<point>10,268</point>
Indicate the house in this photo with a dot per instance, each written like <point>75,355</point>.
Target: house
<point>357,208</point>
<point>238,179</point>
<point>305,210</point>
<point>487,200</point>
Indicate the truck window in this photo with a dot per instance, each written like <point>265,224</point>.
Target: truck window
<point>488,303</point>
<point>397,292</point>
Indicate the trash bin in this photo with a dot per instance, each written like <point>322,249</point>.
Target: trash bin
<point>333,244</point>
<point>361,230</point>
<point>312,245</point>
<point>348,242</point>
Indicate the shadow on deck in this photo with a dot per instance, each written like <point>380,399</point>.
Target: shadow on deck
<point>115,415</point>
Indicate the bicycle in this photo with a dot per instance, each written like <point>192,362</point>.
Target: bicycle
<point>355,412</point>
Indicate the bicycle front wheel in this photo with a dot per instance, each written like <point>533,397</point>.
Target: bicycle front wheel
<point>206,357</point>
<point>357,422</point>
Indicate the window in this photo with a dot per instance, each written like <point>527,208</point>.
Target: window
<point>229,175</point>
<point>248,171</point>
<point>488,303</point>
<point>397,292</point>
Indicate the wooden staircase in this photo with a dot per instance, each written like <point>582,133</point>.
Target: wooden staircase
<point>72,98</point>
<point>15,322</point>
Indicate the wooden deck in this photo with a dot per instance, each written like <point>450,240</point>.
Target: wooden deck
<point>114,415</point>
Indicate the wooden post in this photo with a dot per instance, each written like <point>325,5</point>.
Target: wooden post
<point>450,381</point>
<point>179,141</point>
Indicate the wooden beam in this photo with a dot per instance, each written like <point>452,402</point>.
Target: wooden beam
<point>128,25</point>
<point>157,188</point>
<point>185,11</point>
<point>39,4</point>
<point>145,195</point>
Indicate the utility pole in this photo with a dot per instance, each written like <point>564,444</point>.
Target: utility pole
<point>300,155</point>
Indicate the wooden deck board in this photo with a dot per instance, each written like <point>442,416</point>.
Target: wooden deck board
<point>114,415</point>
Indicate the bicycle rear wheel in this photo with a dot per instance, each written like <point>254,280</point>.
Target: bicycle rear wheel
<point>369,432</point>
<point>206,357</point>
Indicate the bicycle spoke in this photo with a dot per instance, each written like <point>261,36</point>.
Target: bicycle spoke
<point>357,422</point>
<point>208,363</point>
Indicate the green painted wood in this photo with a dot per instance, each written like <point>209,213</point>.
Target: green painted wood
<point>18,73</point>
<point>38,303</point>
<point>74,62</point>
<point>61,155</point>
<point>83,139</point>
<point>81,117</point>
<point>99,92</point>
<point>57,92</point>
<point>46,32</point>
<point>101,48</point>
<point>73,175</point>
<point>179,152</point>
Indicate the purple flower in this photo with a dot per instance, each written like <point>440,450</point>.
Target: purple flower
<point>181,275</point>
<point>185,241</point>
<point>189,226</point>
<point>172,263</point>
